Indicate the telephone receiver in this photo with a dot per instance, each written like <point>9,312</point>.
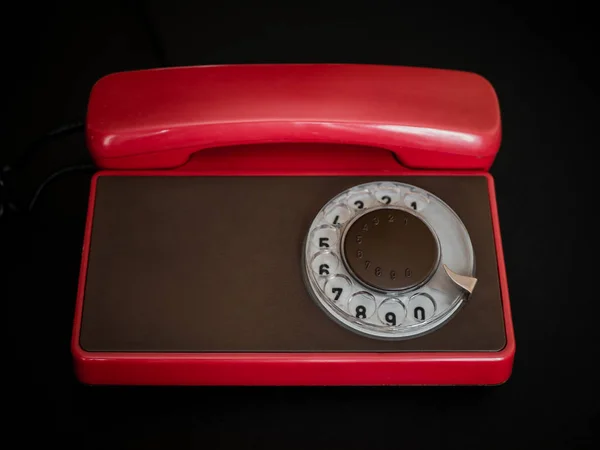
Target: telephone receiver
<point>294,224</point>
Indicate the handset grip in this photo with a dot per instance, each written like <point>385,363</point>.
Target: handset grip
<point>158,118</point>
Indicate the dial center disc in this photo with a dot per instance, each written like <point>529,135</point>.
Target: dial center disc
<point>390,249</point>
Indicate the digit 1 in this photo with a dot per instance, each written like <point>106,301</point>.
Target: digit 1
<point>323,242</point>
<point>414,205</point>
<point>390,318</point>
<point>361,312</point>
<point>323,269</point>
<point>419,311</point>
<point>337,292</point>
<point>335,221</point>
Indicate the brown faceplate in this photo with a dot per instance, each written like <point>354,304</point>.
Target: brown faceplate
<point>213,264</point>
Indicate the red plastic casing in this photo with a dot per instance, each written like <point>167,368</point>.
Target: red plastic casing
<point>390,121</point>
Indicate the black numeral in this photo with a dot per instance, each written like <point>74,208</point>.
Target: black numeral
<point>359,204</point>
<point>335,221</point>
<point>361,312</point>
<point>386,199</point>
<point>337,292</point>
<point>378,271</point>
<point>390,318</point>
<point>419,313</point>
<point>414,205</point>
<point>323,242</point>
<point>324,269</point>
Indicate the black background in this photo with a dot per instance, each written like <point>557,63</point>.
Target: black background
<point>540,58</point>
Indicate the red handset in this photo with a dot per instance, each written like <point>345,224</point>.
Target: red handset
<point>303,224</point>
<point>430,119</point>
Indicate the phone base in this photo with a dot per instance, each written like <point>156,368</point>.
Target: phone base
<point>129,332</point>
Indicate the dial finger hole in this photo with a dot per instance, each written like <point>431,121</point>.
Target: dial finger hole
<point>324,237</point>
<point>337,288</point>
<point>338,214</point>
<point>387,194</point>
<point>421,308</point>
<point>362,305</point>
<point>391,312</point>
<point>360,200</point>
<point>324,263</point>
<point>416,202</point>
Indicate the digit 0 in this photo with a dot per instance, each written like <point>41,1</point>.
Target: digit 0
<point>419,313</point>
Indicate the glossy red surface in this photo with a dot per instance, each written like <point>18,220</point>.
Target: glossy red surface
<point>430,118</point>
<point>468,368</point>
<point>442,122</point>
